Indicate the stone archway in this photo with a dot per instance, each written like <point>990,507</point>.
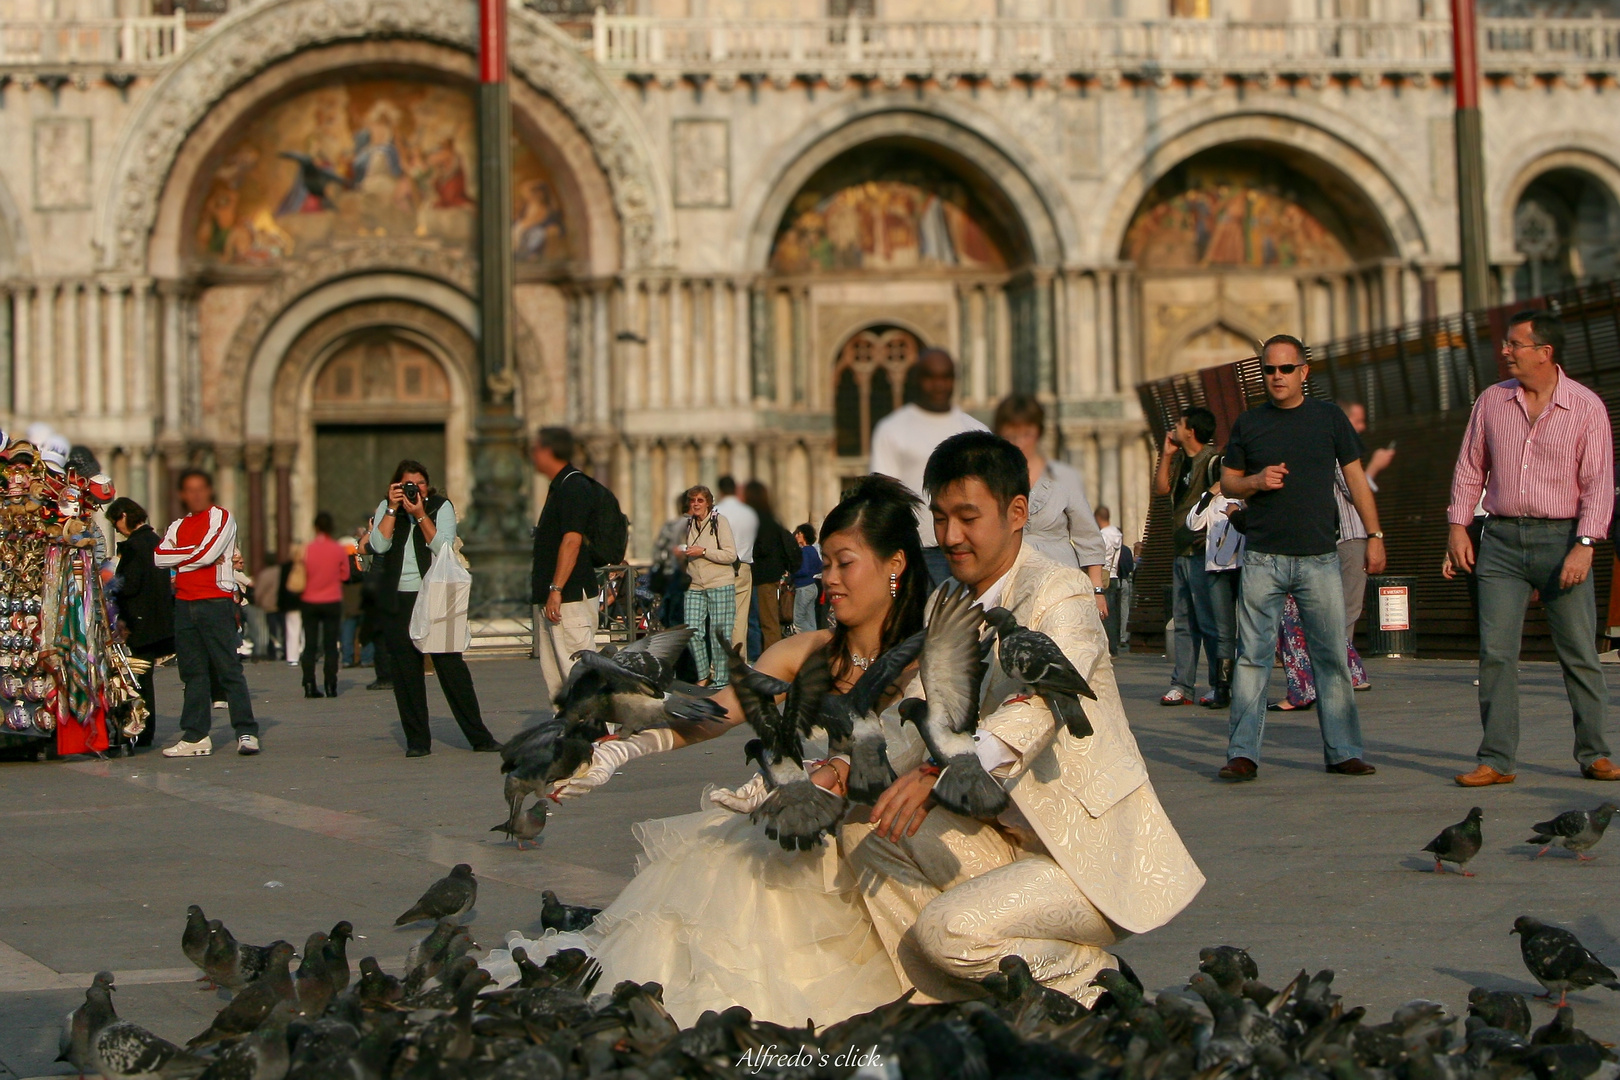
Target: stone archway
<point>247,42</point>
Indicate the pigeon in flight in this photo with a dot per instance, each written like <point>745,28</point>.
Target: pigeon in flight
<point>852,718</point>
<point>1458,843</point>
<point>556,915</point>
<point>797,812</point>
<point>953,666</point>
<point>635,687</point>
<point>449,897</point>
<point>1578,830</point>
<point>1036,661</point>
<point>1558,960</point>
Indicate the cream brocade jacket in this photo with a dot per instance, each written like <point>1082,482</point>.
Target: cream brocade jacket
<point>1088,800</point>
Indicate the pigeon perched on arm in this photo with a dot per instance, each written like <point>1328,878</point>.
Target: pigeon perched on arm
<point>1558,960</point>
<point>450,897</point>
<point>1035,660</point>
<point>953,666</point>
<point>569,918</point>
<point>1577,830</point>
<point>82,1024</point>
<point>1458,843</point>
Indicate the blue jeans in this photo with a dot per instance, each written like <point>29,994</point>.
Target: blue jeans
<point>1319,591</point>
<point>1196,623</point>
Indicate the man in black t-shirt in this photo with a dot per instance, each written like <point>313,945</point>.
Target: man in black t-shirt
<point>1281,458</point>
<point>564,581</point>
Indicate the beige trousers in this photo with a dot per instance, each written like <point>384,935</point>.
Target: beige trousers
<point>950,902</point>
<point>745,595</point>
<point>559,641</point>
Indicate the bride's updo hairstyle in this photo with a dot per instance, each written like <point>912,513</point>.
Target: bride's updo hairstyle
<point>883,512</point>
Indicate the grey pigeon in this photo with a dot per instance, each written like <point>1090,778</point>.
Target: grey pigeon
<point>798,813</point>
<point>1458,843</point>
<point>194,939</point>
<point>230,963</point>
<point>337,954</point>
<point>633,687</point>
<point>449,897</point>
<point>953,666</point>
<point>81,1025</point>
<point>540,755</point>
<point>556,915</point>
<point>1558,960</point>
<point>262,1054</point>
<point>248,1009</point>
<point>1036,661</point>
<point>1577,830</point>
<point>525,826</point>
<point>430,961</point>
<point>376,987</point>
<point>123,1050</point>
<point>853,718</point>
<point>312,986</point>
<point>1229,966</point>
<point>1500,1009</point>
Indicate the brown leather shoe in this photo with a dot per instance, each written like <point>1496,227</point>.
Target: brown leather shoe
<point>1601,769</point>
<point>1240,768</point>
<point>1351,767</point>
<point>1484,776</point>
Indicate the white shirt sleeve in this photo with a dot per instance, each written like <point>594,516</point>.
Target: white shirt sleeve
<point>993,753</point>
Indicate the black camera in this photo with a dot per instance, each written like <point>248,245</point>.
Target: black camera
<point>411,492</point>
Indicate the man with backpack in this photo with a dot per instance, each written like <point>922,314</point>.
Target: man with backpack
<point>1189,465</point>
<point>578,531</point>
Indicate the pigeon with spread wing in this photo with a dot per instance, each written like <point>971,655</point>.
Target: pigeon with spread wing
<point>953,666</point>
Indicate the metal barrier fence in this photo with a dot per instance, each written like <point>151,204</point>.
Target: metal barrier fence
<point>1418,383</point>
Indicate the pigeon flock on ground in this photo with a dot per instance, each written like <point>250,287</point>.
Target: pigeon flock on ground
<point>443,1019</point>
<point>1577,830</point>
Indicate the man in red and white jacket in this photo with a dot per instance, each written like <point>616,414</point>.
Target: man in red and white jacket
<point>198,548</point>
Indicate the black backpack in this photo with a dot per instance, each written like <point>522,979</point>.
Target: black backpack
<point>607,530</point>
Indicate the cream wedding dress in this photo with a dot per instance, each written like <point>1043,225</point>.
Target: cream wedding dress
<point>720,915</point>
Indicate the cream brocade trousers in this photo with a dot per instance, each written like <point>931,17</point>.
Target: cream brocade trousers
<point>958,896</point>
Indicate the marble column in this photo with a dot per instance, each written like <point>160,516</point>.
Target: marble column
<point>170,359</point>
<point>254,456</point>
<point>46,372</point>
<point>94,398</point>
<point>117,375</point>
<point>709,462</point>
<point>140,359</point>
<point>282,456</point>
<point>680,358</point>
<point>22,376</point>
<point>68,371</point>
<point>644,516</point>
<point>1107,350</point>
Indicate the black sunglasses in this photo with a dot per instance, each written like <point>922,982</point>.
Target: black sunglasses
<point>1280,369</point>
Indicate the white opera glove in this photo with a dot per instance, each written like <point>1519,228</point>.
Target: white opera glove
<point>741,800</point>
<point>609,756</point>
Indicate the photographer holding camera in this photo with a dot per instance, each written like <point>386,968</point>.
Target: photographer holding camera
<point>415,524</point>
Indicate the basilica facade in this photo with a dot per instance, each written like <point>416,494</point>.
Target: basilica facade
<point>245,239</point>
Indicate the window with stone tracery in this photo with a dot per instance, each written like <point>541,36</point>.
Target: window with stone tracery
<point>869,382</point>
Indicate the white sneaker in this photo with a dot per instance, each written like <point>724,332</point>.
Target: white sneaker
<point>247,745</point>
<point>222,704</point>
<point>201,748</point>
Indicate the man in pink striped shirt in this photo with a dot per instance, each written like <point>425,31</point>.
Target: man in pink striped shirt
<point>1540,447</point>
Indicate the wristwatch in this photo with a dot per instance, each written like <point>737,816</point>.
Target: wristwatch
<point>1379,535</point>
<point>556,588</point>
<point>1099,589</point>
<point>1586,541</point>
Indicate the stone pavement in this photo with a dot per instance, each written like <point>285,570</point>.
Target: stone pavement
<point>100,859</point>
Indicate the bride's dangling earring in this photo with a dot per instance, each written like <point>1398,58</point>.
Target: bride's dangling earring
<point>894,586</point>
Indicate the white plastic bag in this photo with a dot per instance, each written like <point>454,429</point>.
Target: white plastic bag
<point>439,619</point>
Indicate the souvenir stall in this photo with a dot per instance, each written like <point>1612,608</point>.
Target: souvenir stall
<point>65,685</point>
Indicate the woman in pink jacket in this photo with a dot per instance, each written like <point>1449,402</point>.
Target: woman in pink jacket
<point>326,568</point>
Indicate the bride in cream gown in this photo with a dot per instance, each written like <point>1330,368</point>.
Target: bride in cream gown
<point>719,914</point>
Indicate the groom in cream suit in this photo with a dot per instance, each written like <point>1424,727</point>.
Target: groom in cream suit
<point>1085,855</point>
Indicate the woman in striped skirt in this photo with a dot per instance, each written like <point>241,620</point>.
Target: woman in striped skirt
<point>711,600</point>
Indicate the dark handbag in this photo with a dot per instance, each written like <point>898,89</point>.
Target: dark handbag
<point>784,602</point>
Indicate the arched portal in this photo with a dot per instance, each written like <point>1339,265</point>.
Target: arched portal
<point>1244,240</point>
<point>1567,227</point>
<point>883,248</point>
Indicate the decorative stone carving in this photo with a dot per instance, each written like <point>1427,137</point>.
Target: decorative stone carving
<point>701,152</point>
<point>62,163</point>
<point>243,44</point>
